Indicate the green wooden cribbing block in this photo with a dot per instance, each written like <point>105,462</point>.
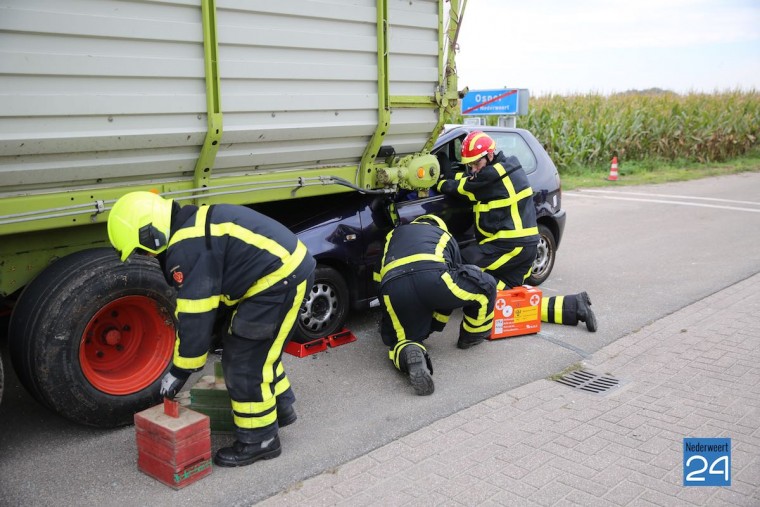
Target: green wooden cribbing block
<point>209,396</point>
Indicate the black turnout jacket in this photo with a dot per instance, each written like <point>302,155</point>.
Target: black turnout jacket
<point>222,255</point>
<point>503,202</point>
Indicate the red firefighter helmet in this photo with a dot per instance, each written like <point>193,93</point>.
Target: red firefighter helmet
<point>475,146</point>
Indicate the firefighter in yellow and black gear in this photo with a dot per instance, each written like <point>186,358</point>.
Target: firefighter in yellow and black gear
<point>422,280</point>
<point>506,229</point>
<point>232,261</point>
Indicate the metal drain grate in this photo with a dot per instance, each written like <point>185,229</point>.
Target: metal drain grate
<point>589,382</point>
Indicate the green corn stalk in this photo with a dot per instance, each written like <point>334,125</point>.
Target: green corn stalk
<point>588,130</point>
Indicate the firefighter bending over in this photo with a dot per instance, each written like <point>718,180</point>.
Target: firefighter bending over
<point>506,229</point>
<point>422,280</point>
<point>218,258</point>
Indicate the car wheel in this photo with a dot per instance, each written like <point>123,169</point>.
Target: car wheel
<point>325,307</point>
<point>547,250</point>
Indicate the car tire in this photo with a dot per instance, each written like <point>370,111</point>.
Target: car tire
<point>325,307</point>
<point>92,336</point>
<point>545,255</point>
<point>2,378</point>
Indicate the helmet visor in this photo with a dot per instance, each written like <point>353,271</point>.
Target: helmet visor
<point>476,162</point>
<point>151,239</point>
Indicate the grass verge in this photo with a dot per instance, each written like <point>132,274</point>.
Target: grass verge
<point>654,171</point>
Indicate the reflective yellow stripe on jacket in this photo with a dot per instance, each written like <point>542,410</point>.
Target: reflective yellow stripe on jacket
<point>511,203</point>
<point>290,262</point>
<point>435,257</point>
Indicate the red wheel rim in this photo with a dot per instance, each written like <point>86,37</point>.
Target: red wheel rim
<point>126,345</point>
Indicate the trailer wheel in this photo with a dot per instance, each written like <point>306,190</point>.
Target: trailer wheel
<point>92,336</point>
<point>1,379</point>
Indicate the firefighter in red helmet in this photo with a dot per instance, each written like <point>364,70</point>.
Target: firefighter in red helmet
<point>506,229</point>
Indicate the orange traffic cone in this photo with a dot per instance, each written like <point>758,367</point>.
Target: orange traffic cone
<point>613,170</point>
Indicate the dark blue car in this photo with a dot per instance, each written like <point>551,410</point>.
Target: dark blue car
<point>346,233</point>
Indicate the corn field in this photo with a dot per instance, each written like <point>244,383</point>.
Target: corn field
<point>586,130</point>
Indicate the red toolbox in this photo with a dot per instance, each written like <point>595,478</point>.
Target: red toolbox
<point>517,312</point>
<point>175,450</point>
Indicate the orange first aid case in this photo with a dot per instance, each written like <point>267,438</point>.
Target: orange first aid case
<point>517,312</point>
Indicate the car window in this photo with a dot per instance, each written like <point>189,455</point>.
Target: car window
<point>457,155</point>
<point>512,144</point>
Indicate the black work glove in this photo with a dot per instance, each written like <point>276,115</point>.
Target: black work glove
<point>447,172</point>
<point>173,381</point>
<point>444,162</point>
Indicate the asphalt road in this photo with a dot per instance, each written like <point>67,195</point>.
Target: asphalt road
<point>641,253</point>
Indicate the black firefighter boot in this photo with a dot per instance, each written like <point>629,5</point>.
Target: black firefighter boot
<point>467,340</point>
<point>241,454</point>
<point>584,311</point>
<point>416,363</point>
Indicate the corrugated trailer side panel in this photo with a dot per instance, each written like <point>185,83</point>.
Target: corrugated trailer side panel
<point>97,91</point>
<point>413,71</point>
<point>299,83</point>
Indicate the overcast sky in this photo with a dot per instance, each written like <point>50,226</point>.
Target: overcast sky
<point>606,46</point>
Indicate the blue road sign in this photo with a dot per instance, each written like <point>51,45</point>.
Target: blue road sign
<point>493,102</point>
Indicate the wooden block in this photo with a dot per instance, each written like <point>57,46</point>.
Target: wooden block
<point>183,452</point>
<point>171,407</point>
<point>174,450</point>
<point>175,476</point>
<point>172,429</point>
<point>221,418</point>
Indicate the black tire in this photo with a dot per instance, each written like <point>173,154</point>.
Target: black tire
<point>2,378</point>
<point>4,318</point>
<point>544,263</point>
<point>325,308</point>
<point>81,330</point>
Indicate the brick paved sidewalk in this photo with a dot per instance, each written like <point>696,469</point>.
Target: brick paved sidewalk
<point>695,373</point>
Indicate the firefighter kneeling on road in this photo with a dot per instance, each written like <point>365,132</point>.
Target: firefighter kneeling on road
<point>506,229</point>
<point>226,257</point>
<point>422,280</point>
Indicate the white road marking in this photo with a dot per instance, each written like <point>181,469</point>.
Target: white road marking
<point>672,196</point>
<point>619,197</point>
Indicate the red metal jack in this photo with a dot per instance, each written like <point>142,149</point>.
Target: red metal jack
<point>320,344</point>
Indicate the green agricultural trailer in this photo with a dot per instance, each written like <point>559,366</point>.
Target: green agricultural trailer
<point>203,101</point>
